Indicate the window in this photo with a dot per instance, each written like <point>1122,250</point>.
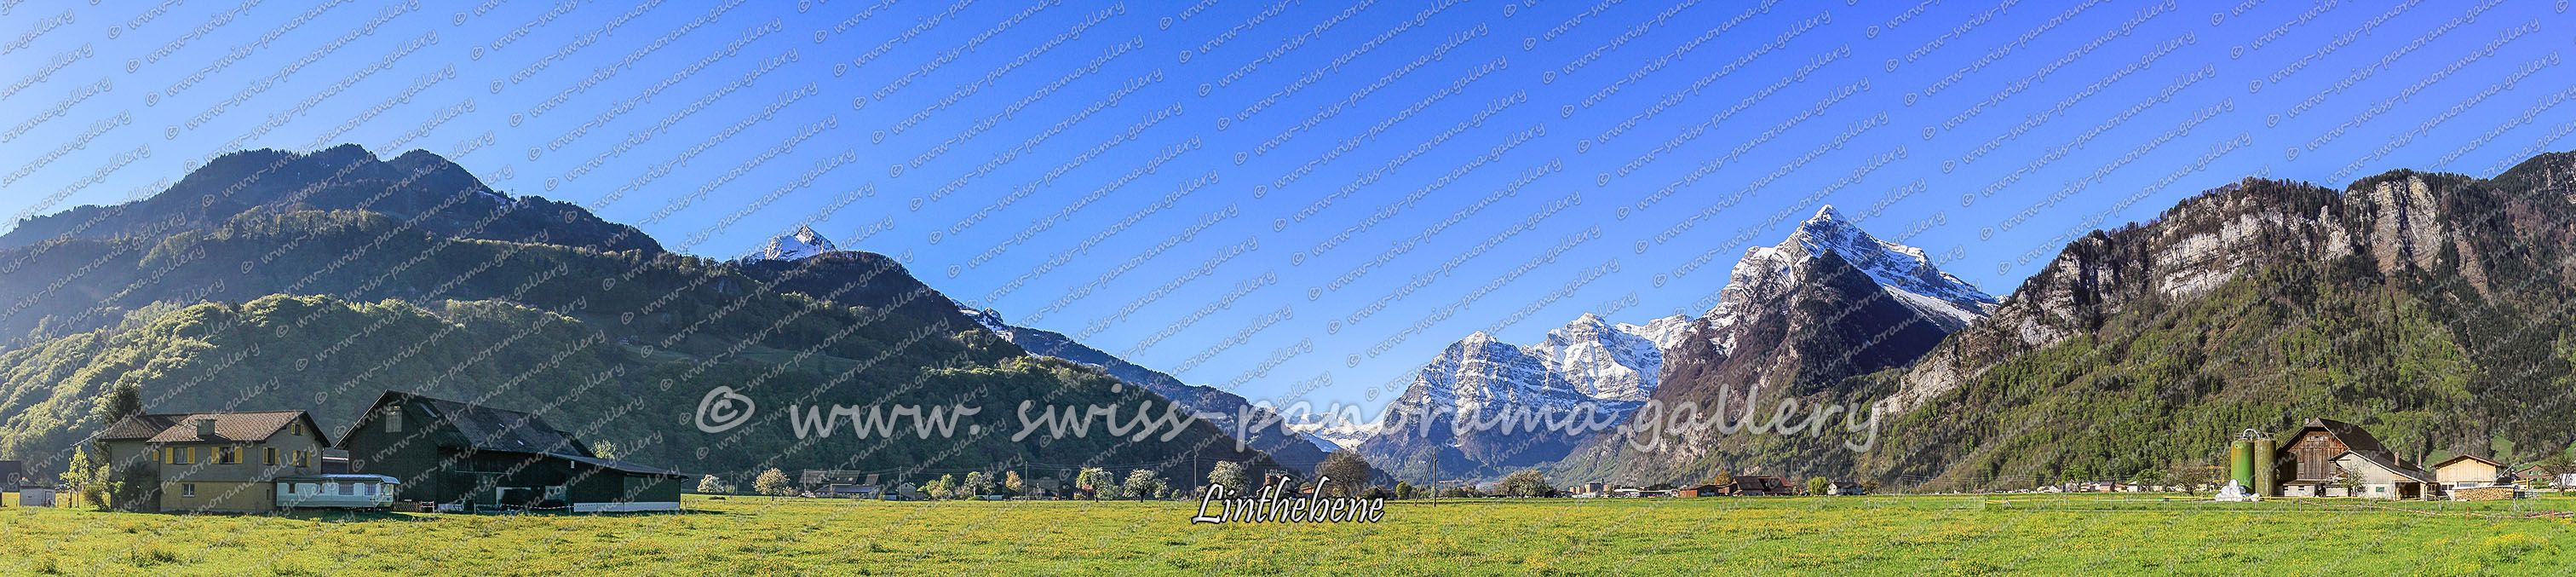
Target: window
<point>298,427</point>
<point>187,489</point>
<point>268,456</point>
<point>161,455</point>
<point>179,455</point>
<point>393,419</point>
<point>304,458</point>
<point>348,488</point>
<point>2378,489</point>
<point>228,455</point>
<point>371,489</point>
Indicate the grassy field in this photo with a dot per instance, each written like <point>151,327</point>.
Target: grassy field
<point>1885,535</point>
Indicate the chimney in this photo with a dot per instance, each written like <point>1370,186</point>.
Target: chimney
<point>205,427</point>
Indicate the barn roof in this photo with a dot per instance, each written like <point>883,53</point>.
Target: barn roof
<point>490,429</point>
<point>2352,436</point>
<point>2382,460</point>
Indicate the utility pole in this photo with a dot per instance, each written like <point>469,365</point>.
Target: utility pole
<point>1435,477</point>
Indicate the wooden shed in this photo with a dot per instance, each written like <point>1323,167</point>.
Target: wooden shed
<point>2467,471</point>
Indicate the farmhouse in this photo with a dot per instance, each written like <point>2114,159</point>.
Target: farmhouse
<point>2467,472</point>
<point>227,462</point>
<point>2544,476</point>
<point>468,457</point>
<point>2379,478</point>
<point>2312,461</point>
<point>1744,486</point>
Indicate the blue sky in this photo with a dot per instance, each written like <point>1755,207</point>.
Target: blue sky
<point>1283,196</point>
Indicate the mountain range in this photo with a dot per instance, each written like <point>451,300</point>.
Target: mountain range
<point>1828,300</point>
<point>316,281</point>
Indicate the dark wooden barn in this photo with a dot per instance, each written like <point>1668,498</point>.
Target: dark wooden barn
<point>2305,463</point>
<point>468,457</point>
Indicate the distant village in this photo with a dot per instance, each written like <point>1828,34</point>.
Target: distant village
<point>414,453</point>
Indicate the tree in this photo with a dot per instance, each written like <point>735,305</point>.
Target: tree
<point>773,483</point>
<point>125,400</point>
<point>86,478</point>
<point>1231,475</point>
<point>1349,473</point>
<point>710,485</point>
<point>1011,480</point>
<point>2349,479</point>
<point>2191,477</point>
<point>131,488</point>
<point>604,449</point>
<point>1524,483</point>
<point>1870,485</point>
<point>949,487</point>
<point>2147,477</point>
<point>1819,486</point>
<point>1404,490</point>
<point>977,484</point>
<point>1092,480</point>
<point>1143,483</point>
<point>1462,492</point>
<point>1722,479</point>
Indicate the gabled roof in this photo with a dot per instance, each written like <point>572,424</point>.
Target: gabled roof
<point>140,427</point>
<point>489,429</point>
<point>2449,461</point>
<point>2383,461</point>
<point>229,427</point>
<point>2352,436</point>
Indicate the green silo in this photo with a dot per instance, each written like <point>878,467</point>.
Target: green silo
<point>2265,482</point>
<point>2240,463</point>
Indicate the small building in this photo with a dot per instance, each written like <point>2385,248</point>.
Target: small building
<point>2384,478</point>
<point>1847,488</point>
<point>1708,490</point>
<point>1744,486</point>
<point>2544,476</point>
<point>2467,472</point>
<point>216,462</point>
<point>468,457</point>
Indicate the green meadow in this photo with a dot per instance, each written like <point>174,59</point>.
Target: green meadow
<point>1879,535</point>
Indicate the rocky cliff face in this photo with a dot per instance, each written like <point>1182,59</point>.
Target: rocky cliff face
<point>2429,307</point>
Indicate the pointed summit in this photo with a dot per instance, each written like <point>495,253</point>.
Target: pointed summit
<point>803,243</point>
<point>1826,214</point>
<point>1907,272</point>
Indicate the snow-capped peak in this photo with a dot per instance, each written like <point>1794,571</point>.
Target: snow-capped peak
<point>800,244</point>
<point>1907,272</point>
<point>1602,361</point>
<point>991,320</point>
